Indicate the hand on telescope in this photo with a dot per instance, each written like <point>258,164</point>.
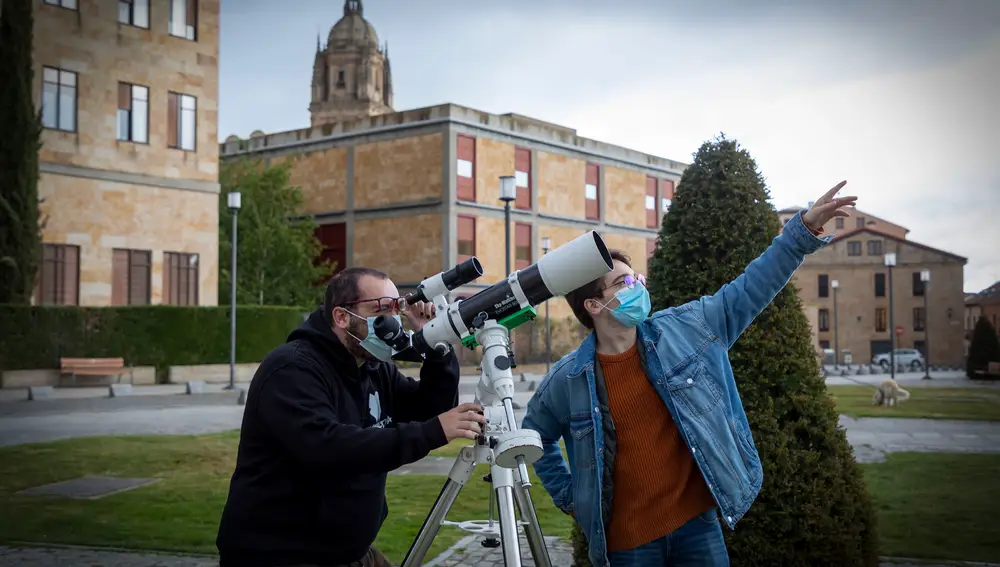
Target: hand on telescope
<point>419,314</point>
<point>462,422</point>
<point>827,207</point>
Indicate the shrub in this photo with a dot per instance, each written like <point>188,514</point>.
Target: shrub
<point>813,508</point>
<point>156,335</point>
<point>984,348</point>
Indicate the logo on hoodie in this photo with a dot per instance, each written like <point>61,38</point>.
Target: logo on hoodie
<point>375,410</point>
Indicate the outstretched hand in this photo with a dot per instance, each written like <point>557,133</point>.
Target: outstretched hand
<point>828,207</point>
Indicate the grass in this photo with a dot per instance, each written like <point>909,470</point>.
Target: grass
<point>932,403</point>
<point>937,506</point>
<point>181,512</point>
<point>934,506</point>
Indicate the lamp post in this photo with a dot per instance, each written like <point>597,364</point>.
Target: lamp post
<point>925,279</point>
<point>890,261</point>
<point>546,242</point>
<point>235,200</point>
<point>508,192</point>
<point>836,342</point>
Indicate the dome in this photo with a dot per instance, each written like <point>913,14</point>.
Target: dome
<point>352,29</point>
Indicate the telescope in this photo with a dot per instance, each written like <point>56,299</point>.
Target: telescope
<point>486,319</point>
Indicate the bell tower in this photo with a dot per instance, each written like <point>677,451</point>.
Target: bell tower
<point>351,74</point>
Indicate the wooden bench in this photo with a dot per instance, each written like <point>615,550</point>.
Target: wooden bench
<point>95,367</point>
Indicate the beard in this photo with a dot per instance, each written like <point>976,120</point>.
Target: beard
<point>360,330</point>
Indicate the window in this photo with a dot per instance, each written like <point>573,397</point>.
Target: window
<point>918,285</point>
<point>340,78</point>
<point>466,168</point>
<point>824,344</point>
<point>652,211</point>
<point>823,281</point>
<point>466,237</point>
<point>880,320</point>
<point>666,195</point>
<point>919,319</point>
<point>183,18</point>
<point>133,113</point>
<point>181,123</point>
<point>522,245</point>
<point>69,4</point>
<point>874,247</point>
<point>879,285</point>
<point>840,222</point>
<point>522,174</point>
<point>134,13</point>
<point>824,319</point>
<point>860,222</point>
<point>854,248</point>
<point>591,190</point>
<point>130,274</point>
<point>59,275</point>
<point>180,278</point>
<point>59,99</point>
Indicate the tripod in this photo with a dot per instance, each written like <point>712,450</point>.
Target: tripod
<point>507,449</point>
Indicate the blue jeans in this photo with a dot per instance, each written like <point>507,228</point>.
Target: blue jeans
<point>698,543</point>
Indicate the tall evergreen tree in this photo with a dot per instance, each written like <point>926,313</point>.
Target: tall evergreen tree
<point>984,348</point>
<point>20,135</point>
<point>813,508</point>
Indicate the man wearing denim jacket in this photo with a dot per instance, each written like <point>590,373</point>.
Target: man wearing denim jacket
<point>656,436</point>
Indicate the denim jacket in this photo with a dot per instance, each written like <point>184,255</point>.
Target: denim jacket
<point>685,353</point>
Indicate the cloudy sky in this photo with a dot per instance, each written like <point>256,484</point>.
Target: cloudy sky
<point>899,97</point>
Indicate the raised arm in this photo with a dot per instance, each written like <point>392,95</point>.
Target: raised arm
<point>735,306</point>
<point>295,407</point>
<point>435,393</point>
<point>551,468</point>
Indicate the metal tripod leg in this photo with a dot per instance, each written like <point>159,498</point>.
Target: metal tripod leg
<point>457,477</point>
<point>503,485</point>
<point>532,530</point>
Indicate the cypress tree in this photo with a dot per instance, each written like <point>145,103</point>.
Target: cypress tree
<point>20,125</point>
<point>984,348</point>
<point>813,508</point>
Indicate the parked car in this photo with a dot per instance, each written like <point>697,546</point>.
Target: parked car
<point>907,357</point>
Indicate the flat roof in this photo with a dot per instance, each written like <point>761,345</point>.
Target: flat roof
<point>510,125</point>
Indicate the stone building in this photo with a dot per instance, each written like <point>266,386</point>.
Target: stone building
<point>414,192</point>
<point>854,314</point>
<point>129,161</point>
<point>351,74</point>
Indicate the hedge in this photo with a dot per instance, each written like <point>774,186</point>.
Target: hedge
<point>34,337</point>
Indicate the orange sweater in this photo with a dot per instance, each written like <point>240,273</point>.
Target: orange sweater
<point>658,486</point>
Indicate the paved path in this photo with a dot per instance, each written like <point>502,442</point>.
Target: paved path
<point>468,552</point>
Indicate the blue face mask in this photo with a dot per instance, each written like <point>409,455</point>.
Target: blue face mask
<point>371,343</point>
<point>634,305</point>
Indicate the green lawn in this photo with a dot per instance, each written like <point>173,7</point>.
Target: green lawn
<point>934,403</point>
<point>181,512</point>
<point>929,505</point>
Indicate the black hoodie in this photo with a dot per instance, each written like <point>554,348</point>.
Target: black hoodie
<point>319,435</point>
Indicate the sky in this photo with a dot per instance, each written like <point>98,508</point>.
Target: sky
<point>901,98</point>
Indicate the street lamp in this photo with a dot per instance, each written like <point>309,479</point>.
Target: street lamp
<point>508,192</point>
<point>890,261</point>
<point>546,242</point>
<point>836,343</point>
<point>235,200</point>
<point>925,279</point>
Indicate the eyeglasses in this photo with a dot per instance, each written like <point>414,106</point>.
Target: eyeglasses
<point>628,281</point>
<point>382,303</point>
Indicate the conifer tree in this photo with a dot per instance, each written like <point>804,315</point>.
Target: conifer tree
<point>984,348</point>
<point>20,131</point>
<point>813,508</point>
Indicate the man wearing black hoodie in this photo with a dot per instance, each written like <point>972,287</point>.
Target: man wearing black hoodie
<point>327,416</point>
